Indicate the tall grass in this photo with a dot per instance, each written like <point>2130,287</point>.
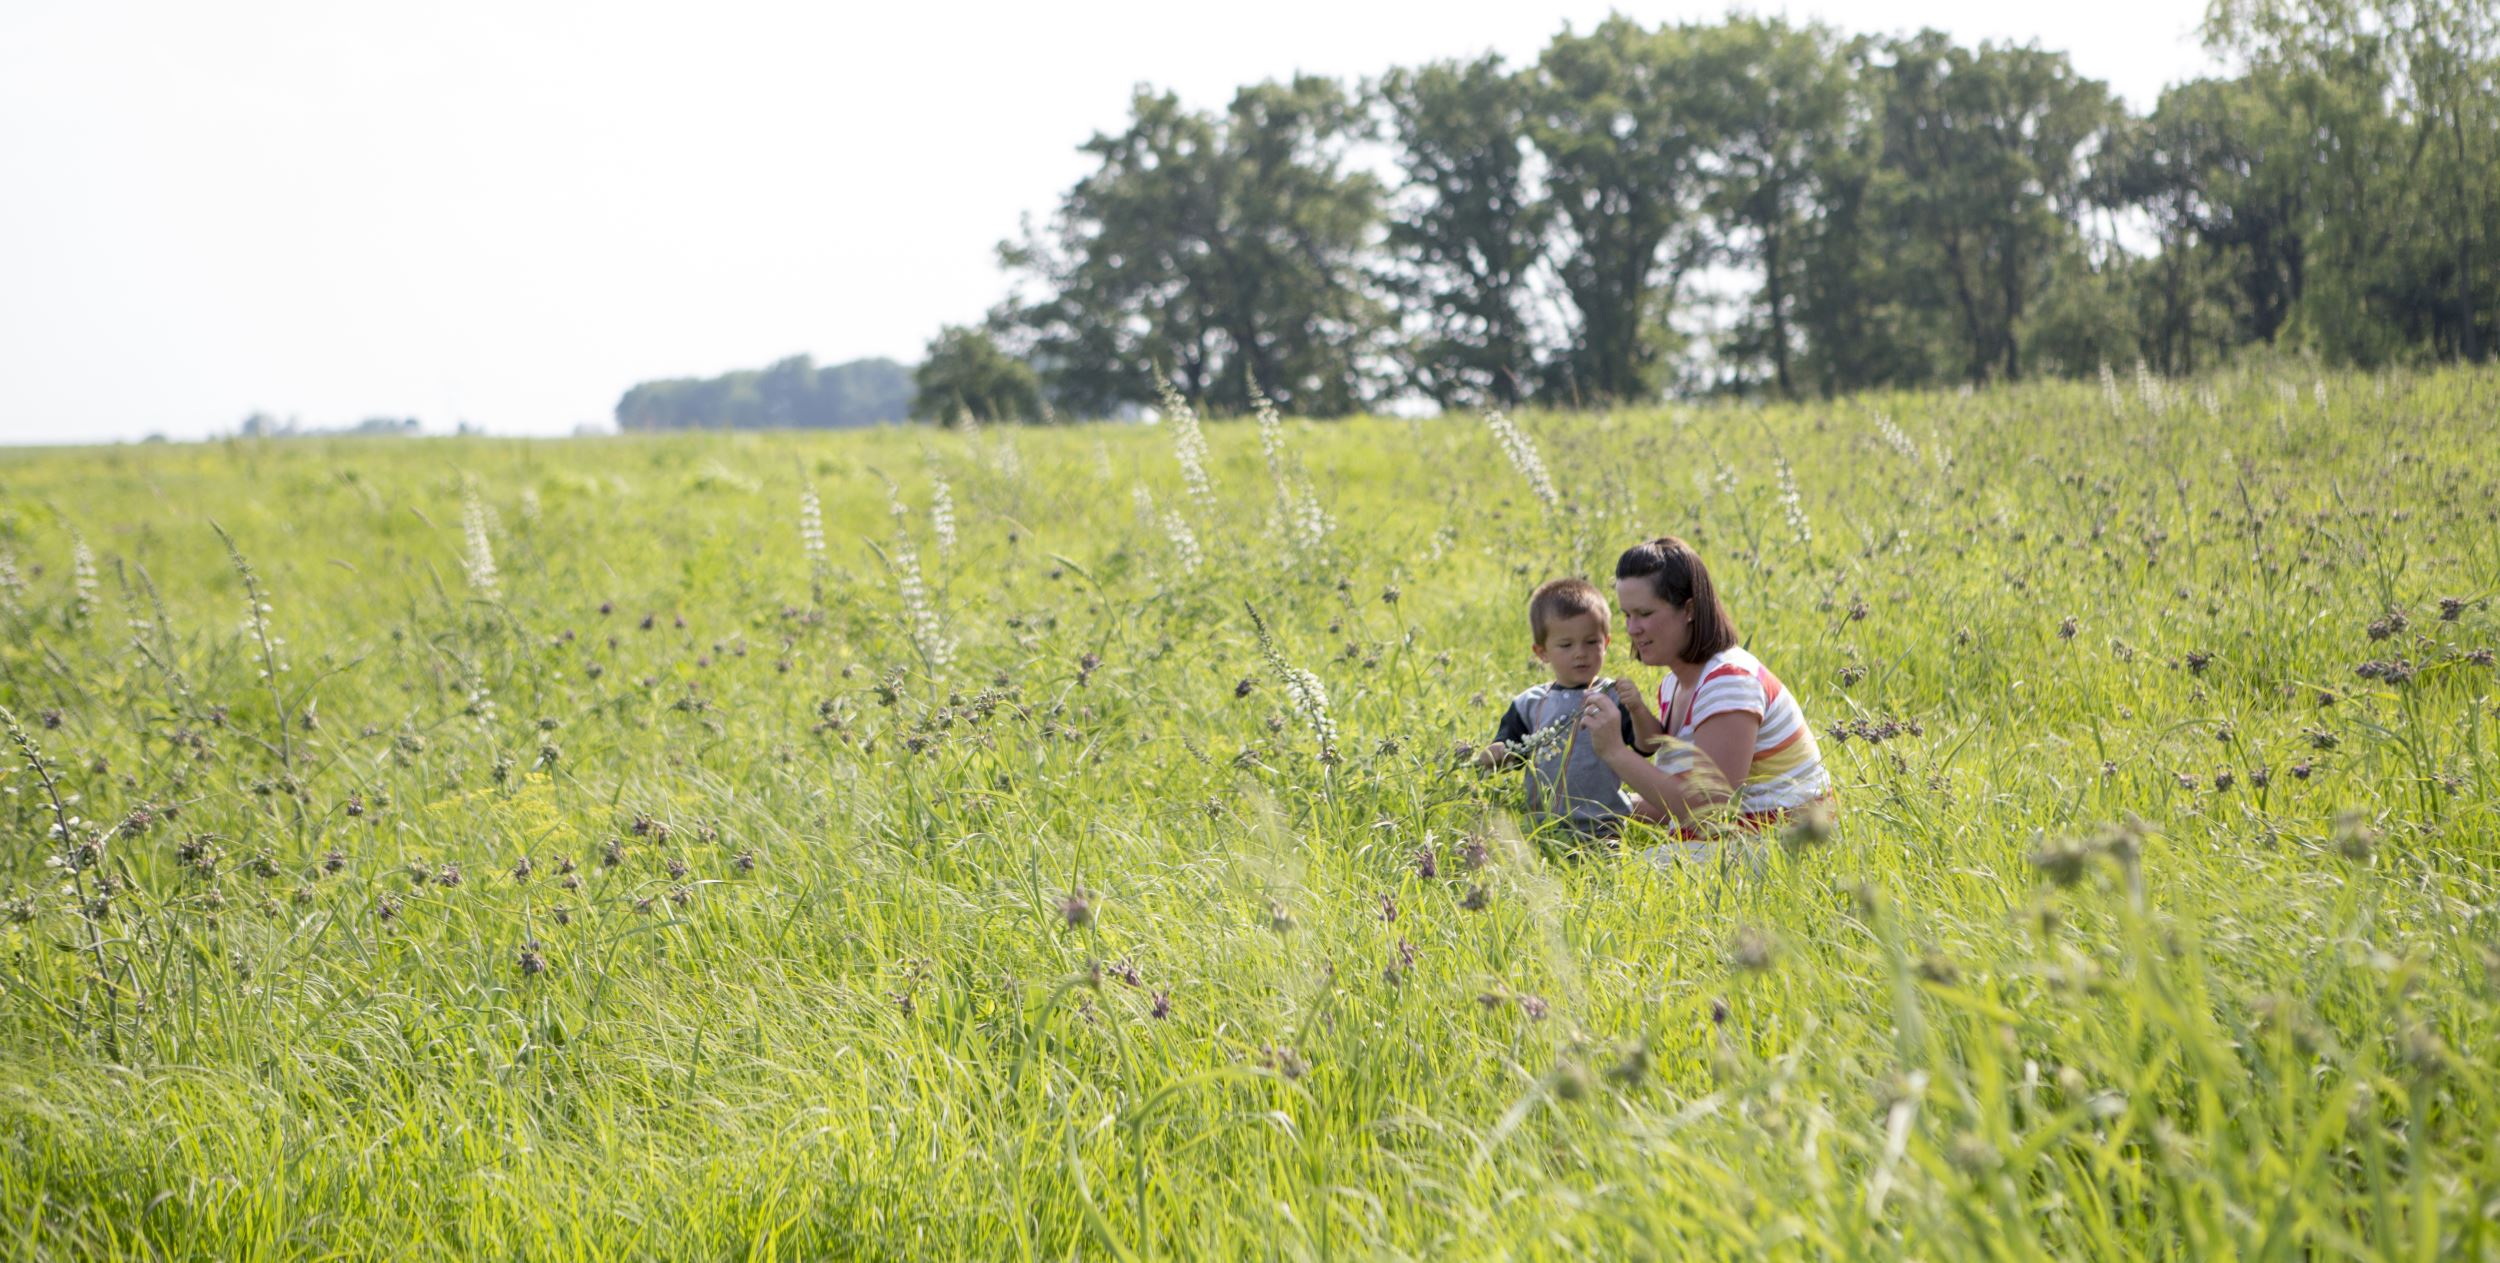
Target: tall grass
<point>555,854</point>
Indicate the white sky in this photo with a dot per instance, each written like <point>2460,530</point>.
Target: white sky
<point>509,212</point>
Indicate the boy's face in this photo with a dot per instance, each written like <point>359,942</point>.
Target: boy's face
<point>1575,647</point>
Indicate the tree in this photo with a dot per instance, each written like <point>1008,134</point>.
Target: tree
<point>966,374</point>
<point>1229,250</point>
<point>2186,169</point>
<point>1623,146</point>
<point>1861,317</point>
<point>1990,146</point>
<point>785,392</point>
<point>2391,104</point>
<point>2243,167</point>
<point>793,392</point>
<point>1778,101</point>
<point>1467,230</point>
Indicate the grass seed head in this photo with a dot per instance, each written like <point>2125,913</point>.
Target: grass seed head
<point>1936,967</point>
<point>1632,1068</point>
<point>1279,917</point>
<point>1572,1082</point>
<point>1810,827</point>
<point>2424,1054</point>
<point>2063,861</point>
<point>1972,1155</point>
<point>1753,949</point>
<point>1077,908</point>
<point>2355,838</point>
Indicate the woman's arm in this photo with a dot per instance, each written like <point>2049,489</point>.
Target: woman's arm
<point>1727,741</point>
<point>1726,745</point>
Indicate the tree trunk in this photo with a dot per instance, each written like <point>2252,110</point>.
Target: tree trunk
<point>1972,329</point>
<point>1776,295</point>
<point>2010,287</point>
<point>2472,342</point>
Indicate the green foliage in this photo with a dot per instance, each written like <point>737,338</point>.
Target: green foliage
<point>1468,232</point>
<point>966,374</point>
<point>1616,115</point>
<point>1777,102</point>
<point>792,394</point>
<point>2389,109</point>
<point>530,850</point>
<point>1228,251</point>
<point>1748,206</point>
<point>2213,174</point>
<point>1985,148</point>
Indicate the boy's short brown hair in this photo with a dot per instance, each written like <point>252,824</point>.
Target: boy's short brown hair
<point>1564,598</point>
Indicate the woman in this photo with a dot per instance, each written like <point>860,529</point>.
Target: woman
<point>1739,747</point>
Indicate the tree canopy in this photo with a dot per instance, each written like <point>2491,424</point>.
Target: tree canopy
<point>967,375</point>
<point>1747,206</point>
<point>1752,205</point>
<point>792,393</point>
<point>1229,251</point>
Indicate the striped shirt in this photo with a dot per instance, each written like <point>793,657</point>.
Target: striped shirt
<point>1787,770</point>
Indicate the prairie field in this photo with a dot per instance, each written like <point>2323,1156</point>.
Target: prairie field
<point>1052,842</point>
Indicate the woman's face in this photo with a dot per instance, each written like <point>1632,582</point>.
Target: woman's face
<point>1658,631</point>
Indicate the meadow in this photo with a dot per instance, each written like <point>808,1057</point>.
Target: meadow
<point>1053,842</point>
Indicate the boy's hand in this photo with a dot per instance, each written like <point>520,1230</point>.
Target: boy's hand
<point>1493,755</point>
<point>1628,695</point>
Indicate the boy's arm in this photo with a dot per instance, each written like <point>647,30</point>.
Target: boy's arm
<point>1514,729</point>
<point>1641,727</point>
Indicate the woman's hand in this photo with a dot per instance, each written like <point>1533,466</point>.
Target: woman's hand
<point>1602,720</point>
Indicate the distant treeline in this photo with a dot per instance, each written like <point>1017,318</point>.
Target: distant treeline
<point>1752,206</point>
<point>791,393</point>
<point>262,425</point>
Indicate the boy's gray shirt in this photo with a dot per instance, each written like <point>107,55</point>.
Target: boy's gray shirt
<point>1590,792</point>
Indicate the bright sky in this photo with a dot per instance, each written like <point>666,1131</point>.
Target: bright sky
<point>509,212</point>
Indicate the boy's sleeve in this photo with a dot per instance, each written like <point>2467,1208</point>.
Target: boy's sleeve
<point>1629,738</point>
<point>1514,725</point>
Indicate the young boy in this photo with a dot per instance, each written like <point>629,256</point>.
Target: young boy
<point>1567,783</point>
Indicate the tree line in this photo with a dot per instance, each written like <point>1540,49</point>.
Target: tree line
<point>792,393</point>
<point>1755,206</point>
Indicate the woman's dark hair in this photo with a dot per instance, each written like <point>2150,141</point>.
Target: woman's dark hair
<point>1676,574</point>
